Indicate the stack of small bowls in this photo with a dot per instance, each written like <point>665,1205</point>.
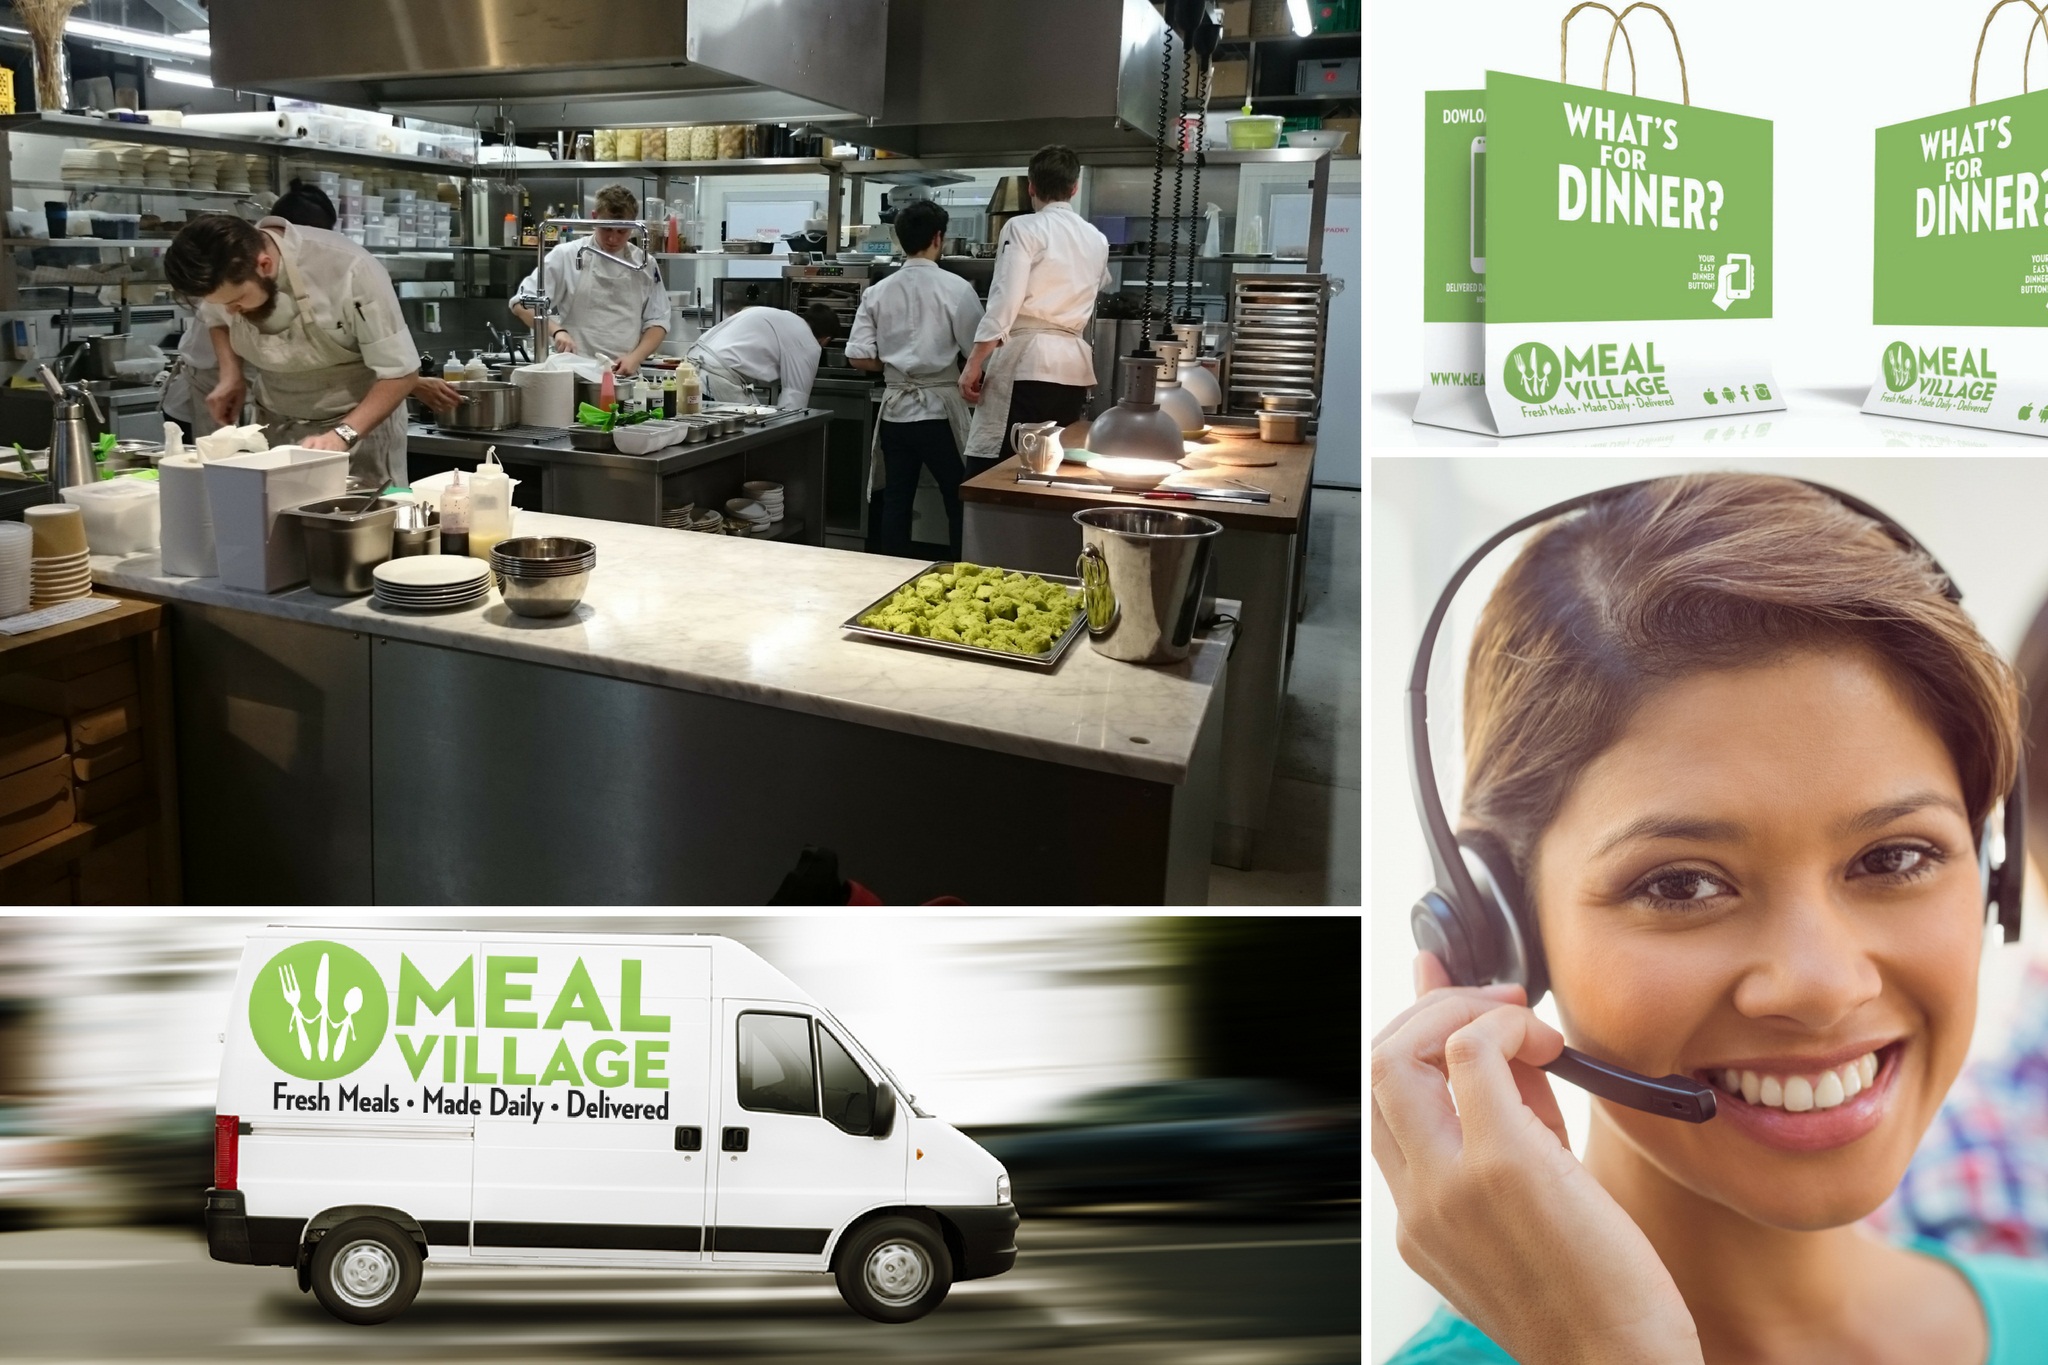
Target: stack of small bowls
<point>17,553</point>
<point>61,567</point>
<point>769,495</point>
<point>543,575</point>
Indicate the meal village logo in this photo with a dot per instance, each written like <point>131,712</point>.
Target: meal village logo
<point>320,1010</point>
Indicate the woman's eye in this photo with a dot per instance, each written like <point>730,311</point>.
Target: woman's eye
<point>1685,884</point>
<point>1896,860</point>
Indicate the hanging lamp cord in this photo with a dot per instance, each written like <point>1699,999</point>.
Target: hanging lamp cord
<point>1158,183</point>
<point>1180,163</point>
<point>1201,149</point>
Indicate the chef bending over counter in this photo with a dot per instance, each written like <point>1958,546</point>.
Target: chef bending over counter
<point>317,320</point>
<point>606,301</point>
<point>765,355</point>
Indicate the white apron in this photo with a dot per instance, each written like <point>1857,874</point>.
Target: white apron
<point>185,393</point>
<point>604,313</point>
<point>724,384</point>
<point>900,386</point>
<point>992,417</point>
<point>306,381</point>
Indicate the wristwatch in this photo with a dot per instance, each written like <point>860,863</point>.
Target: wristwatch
<point>347,433</point>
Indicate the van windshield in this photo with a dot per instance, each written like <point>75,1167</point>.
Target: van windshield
<point>869,1053</point>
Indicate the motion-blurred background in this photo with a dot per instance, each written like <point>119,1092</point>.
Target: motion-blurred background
<point>1177,1101</point>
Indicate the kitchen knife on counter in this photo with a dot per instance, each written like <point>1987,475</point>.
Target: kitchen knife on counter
<point>1197,494</point>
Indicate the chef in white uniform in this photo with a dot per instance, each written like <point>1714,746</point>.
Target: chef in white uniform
<point>331,359</point>
<point>914,327</point>
<point>599,306</point>
<point>193,375</point>
<point>764,355</point>
<point>1050,265</point>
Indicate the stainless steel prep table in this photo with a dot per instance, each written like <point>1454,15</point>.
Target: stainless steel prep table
<point>558,478</point>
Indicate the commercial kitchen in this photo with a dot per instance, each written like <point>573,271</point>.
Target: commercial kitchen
<point>629,630</point>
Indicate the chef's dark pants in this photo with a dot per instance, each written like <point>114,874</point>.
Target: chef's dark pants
<point>906,448</point>
<point>1032,400</point>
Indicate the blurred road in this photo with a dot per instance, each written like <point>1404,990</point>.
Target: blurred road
<point>1201,1293</point>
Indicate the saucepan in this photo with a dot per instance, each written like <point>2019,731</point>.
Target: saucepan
<point>487,405</point>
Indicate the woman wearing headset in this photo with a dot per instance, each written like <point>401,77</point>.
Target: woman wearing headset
<point>1738,744</point>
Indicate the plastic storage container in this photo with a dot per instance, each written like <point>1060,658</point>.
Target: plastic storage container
<point>1250,132</point>
<point>258,548</point>
<point>121,515</point>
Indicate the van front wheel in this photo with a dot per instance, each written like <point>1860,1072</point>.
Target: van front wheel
<point>894,1270</point>
<point>365,1271</point>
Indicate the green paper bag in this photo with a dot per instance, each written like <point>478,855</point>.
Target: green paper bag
<point>1960,266</point>
<point>1593,258</point>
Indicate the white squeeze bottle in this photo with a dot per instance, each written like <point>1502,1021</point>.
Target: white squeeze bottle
<point>689,389</point>
<point>476,369</point>
<point>452,371</point>
<point>490,506</point>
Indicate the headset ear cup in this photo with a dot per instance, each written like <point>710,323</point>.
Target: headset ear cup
<point>1512,917</point>
<point>1437,930</point>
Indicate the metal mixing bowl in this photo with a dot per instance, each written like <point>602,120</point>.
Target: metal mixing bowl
<point>557,595</point>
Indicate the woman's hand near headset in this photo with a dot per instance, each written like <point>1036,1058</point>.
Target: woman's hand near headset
<point>1495,1211</point>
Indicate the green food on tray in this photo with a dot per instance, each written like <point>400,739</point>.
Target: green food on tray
<point>987,608</point>
<point>609,419</point>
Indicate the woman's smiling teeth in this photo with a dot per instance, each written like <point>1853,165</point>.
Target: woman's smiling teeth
<point>1797,1094</point>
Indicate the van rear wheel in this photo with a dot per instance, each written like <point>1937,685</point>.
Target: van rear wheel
<point>365,1271</point>
<point>894,1270</point>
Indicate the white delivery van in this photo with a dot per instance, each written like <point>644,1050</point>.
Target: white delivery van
<point>392,1096</point>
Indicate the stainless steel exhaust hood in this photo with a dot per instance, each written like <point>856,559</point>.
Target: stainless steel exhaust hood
<point>548,64</point>
<point>996,76</point>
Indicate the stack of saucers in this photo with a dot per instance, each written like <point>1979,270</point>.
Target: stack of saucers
<point>431,582</point>
<point>17,550</point>
<point>679,518</point>
<point>769,495</point>
<point>60,568</point>
<point>709,521</point>
<point>750,516</point>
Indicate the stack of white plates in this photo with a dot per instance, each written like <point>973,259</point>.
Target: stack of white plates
<point>17,545</point>
<point>769,495</point>
<point>710,520</point>
<point>679,518</point>
<point>751,516</point>
<point>60,579</point>
<point>431,582</point>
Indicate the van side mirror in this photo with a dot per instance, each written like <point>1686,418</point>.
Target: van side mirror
<point>884,1121</point>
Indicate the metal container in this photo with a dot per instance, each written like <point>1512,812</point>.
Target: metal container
<point>416,532</point>
<point>487,405</point>
<point>590,438</point>
<point>1143,574</point>
<point>1287,402</point>
<point>1045,661</point>
<point>346,539</point>
<point>543,575</point>
<point>1282,428</point>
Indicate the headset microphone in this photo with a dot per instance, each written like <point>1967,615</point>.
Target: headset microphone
<point>1479,923</point>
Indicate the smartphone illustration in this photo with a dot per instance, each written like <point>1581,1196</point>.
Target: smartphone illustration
<point>1748,285</point>
<point>1479,206</point>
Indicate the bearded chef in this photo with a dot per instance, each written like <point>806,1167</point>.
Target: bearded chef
<point>1031,361</point>
<point>316,320</point>
<point>600,306</point>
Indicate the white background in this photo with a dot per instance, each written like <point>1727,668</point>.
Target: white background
<point>1827,73</point>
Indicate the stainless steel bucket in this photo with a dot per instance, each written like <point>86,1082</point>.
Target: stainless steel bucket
<point>1143,575</point>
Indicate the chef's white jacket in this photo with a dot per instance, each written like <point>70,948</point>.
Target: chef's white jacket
<point>600,301</point>
<point>1050,265</point>
<point>362,303</point>
<point>768,345</point>
<point>920,320</point>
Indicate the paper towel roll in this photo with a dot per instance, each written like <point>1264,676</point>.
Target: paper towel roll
<point>248,125</point>
<point>547,398</point>
<point>187,546</point>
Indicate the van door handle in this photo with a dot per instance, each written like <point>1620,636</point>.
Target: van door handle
<point>689,1139</point>
<point>735,1140</point>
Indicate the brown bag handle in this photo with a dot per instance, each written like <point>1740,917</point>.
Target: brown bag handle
<point>1621,27</point>
<point>2040,24</point>
<point>1564,37</point>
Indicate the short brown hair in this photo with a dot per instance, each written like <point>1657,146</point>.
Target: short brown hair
<point>1693,574</point>
<point>823,322</point>
<point>212,250</point>
<point>1055,171</point>
<point>616,201</point>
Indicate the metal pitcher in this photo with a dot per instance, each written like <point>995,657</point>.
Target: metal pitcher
<point>1143,576</point>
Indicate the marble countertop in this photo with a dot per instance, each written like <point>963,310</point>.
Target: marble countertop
<point>759,622</point>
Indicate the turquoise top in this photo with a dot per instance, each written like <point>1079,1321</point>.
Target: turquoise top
<point>2014,1293</point>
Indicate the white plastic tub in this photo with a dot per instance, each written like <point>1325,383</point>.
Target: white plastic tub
<point>121,516</point>
<point>258,547</point>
